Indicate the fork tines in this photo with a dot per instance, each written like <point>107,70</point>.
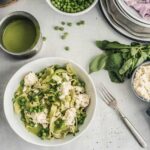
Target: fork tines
<point>105,94</point>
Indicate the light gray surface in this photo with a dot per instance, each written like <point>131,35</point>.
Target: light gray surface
<point>106,132</point>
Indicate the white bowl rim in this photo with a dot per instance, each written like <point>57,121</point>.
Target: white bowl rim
<point>81,132</point>
<point>132,81</point>
<point>72,14</point>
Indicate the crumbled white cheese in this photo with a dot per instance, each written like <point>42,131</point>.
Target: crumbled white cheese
<point>82,100</point>
<point>39,117</point>
<point>142,82</point>
<point>30,79</point>
<point>65,89</point>
<point>57,79</point>
<point>70,116</point>
<point>79,89</point>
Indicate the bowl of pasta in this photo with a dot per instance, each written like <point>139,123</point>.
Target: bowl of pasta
<point>50,101</point>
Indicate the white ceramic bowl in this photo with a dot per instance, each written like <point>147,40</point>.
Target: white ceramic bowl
<point>72,14</point>
<point>36,66</point>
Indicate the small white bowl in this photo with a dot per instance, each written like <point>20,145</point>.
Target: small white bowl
<point>36,66</point>
<point>132,81</point>
<point>72,14</point>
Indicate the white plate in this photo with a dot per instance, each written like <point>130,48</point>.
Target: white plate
<point>117,26</point>
<point>132,12</point>
<point>36,66</point>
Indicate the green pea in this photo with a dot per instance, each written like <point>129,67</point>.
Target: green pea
<point>65,33</point>
<point>44,38</point>
<point>56,28</point>
<point>61,28</point>
<point>69,24</point>
<point>67,48</point>
<point>63,23</point>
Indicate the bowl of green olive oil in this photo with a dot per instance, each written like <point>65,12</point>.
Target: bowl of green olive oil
<point>20,34</point>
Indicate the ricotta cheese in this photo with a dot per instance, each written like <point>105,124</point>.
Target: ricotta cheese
<point>30,79</point>
<point>70,116</point>
<point>79,89</point>
<point>65,89</point>
<point>82,100</point>
<point>39,117</point>
<point>142,82</point>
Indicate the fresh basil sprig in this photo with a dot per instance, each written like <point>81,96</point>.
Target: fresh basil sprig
<point>118,59</point>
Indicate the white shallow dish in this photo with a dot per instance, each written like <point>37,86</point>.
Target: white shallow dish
<point>131,12</point>
<point>36,66</point>
<point>72,14</point>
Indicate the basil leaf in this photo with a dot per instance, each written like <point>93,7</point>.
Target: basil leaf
<point>115,77</point>
<point>125,50</point>
<point>135,44</point>
<point>134,51</point>
<point>98,63</point>
<point>106,45</point>
<point>143,57</point>
<point>126,66</point>
<point>114,62</point>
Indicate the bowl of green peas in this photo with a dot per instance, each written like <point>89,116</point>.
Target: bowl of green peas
<point>72,7</point>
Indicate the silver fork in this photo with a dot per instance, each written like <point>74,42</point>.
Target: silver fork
<point>111,101</point>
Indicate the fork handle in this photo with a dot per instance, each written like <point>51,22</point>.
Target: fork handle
<point>134,131</point>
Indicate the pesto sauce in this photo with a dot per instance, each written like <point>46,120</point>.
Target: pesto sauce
<point>19,35</point>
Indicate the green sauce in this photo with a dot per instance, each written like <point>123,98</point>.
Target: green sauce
<point>19,35</point>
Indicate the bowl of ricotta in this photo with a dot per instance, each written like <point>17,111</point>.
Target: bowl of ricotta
<point>40,101</point>
<point>141,81</point>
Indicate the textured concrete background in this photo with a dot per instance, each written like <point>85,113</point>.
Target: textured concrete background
<point>107,132</point>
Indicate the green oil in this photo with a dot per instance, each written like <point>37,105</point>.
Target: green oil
<point>19,35</point>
